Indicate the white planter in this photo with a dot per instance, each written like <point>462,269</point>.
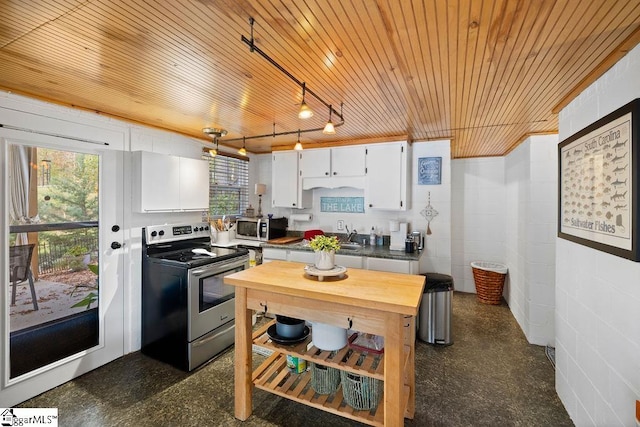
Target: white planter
<point>325,260</point>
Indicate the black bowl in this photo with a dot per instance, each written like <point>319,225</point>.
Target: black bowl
<point>288,327</point>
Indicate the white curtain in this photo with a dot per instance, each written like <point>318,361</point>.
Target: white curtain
<point>19,171</point>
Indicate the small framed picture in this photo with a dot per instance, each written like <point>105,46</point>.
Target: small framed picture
<point>429,170</point>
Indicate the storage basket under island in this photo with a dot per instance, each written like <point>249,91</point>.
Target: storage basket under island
<point>489,278</point>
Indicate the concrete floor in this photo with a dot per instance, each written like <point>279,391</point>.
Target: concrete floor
<point>490,376</point>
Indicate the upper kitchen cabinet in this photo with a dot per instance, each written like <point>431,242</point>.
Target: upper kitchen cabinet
<point>286,181</point>
<point>387,180</point>
<point>163,183</point>
<point>333,167</point>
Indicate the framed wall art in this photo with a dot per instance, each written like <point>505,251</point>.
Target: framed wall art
<point>598,184</point>
<point>429,170</point>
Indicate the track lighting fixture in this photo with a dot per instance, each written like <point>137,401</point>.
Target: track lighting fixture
<point>329,128</point>
<point>305,111</point>
<point>243,150</point>
<point>215,133</point>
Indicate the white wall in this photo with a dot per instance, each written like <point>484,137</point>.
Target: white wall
<point>504,210</point>
<point>597,294</point>
<point>530,206</point>
<point>438,255</point>
<point>478,216</point>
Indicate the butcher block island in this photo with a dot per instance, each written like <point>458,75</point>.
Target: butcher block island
<point>375,302</point>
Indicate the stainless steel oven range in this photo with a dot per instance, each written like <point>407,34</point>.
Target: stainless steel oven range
<point>187,310</point>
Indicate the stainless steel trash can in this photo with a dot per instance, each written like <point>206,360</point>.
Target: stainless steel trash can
<point>434,316</point>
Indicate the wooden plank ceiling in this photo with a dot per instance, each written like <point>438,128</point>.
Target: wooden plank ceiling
<point>485,73</point>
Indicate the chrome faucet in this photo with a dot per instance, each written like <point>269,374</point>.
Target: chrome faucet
<point>353,233</point>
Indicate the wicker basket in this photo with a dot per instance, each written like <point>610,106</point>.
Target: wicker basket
<point>360,392</point>
<point>324,380</point>
<point>489,279</point>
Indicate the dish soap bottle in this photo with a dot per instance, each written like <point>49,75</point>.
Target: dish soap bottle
<point>372,236</point>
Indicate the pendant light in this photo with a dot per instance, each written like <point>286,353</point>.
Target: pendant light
<point>298,146</point>
<point>329,128</point>
<point>243,150</point>
<point>305,111</point>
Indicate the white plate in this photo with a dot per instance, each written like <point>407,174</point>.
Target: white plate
<point>335,271</point>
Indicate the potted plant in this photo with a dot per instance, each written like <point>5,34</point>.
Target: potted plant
<point>325,248</point>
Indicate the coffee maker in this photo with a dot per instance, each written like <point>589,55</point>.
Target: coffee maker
<point>398,233</point>
<point>418,239</point>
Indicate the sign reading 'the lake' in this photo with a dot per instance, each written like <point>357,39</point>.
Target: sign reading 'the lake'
<point>342,204</point>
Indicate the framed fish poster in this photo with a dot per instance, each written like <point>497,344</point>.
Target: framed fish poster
<point>598,184</point>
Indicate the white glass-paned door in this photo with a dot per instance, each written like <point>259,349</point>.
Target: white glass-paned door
<point>63,306</point>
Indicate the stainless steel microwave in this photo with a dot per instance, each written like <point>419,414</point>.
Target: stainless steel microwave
<point>262,229</point>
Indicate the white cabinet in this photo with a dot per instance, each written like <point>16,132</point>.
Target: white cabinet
<point>387,185</point>
<point>286,182</point>
<point>270,254</point>
<point>392,265</point>
<point>316,163</point>
<point>333,167</point>
<point>301,256</point>
<point>194,184</point>
<point>349,261</point>
<point>163,183</point>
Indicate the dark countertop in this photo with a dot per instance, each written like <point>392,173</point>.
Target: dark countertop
<point>366,251</point>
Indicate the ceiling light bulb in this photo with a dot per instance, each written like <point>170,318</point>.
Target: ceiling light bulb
<point>305,111</point>
<point>213,152</point>
<point>329,128</point>
<point>243,150</point>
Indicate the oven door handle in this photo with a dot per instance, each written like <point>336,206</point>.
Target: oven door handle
<point>198,273</point>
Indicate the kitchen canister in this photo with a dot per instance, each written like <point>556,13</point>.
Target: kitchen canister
<point>296,364</point>
<point>328,337</point>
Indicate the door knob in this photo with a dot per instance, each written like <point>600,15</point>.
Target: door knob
<point>115,245</point>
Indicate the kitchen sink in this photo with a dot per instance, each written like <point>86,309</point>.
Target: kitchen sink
<point>350,245</point>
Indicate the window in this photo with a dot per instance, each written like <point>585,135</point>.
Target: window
<point>228,185</point>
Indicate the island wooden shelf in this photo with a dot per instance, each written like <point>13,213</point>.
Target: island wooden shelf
<point>377,302</point>
<point>275,377</point>
<point>346,359</point>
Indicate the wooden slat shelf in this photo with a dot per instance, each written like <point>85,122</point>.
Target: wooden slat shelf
<point>346,359</point>
<point>274,376</point>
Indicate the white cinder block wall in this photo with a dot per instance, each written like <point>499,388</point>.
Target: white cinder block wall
<point>597,294</point>
<point>478,216</point>
<point>531,194</point>
<point>504,210</point>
